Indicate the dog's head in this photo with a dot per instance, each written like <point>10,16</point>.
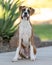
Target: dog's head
<point>26,12</point>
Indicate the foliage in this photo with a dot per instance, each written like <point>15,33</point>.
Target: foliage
<point>8,15</point>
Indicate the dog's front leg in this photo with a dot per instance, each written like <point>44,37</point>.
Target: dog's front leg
<point>32,50</point>
<point>32,55</point>
<point>16,57</point>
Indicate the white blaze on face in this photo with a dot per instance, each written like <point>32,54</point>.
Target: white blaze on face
<point>26,11</point>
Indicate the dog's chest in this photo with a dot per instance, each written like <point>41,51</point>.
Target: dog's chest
<point>25,30</point>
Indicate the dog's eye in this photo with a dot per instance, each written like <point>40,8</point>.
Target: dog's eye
<point>28,11</point>
<point>23,10</point>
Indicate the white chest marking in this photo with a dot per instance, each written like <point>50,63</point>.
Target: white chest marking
<point>25,30</point>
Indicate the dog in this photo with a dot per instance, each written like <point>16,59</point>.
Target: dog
<point>26,36</point>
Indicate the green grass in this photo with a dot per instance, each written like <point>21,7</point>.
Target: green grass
<point>44,31</point>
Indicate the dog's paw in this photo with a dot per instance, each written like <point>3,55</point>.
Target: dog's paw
<point>20,58</point>
<point>14,60</point>
<point>33,58</point>
<point>27,57</point>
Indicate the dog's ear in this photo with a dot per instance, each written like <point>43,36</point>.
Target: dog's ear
<point>21,7</point>
<point>31,10</point>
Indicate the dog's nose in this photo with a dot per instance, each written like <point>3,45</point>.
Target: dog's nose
<point>25,13</point>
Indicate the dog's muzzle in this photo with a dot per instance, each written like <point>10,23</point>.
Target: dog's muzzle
<point>25,14</point>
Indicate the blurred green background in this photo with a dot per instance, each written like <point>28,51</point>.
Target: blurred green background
<point>44,31</point>
<point>8,15</point>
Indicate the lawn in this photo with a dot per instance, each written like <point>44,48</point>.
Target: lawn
<point>44,31</point>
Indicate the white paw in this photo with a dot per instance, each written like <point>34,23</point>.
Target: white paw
<point>33,57</point>
<point>20,58</point>
<point>27,57</point>
<point>14,60</point>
